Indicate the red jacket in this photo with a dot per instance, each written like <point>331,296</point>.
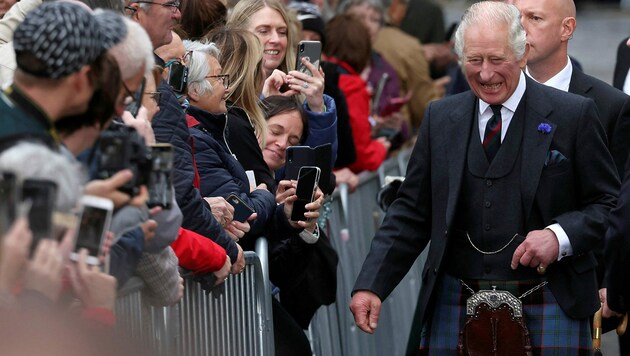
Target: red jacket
<point>198,253</point>
<point>370,152</point>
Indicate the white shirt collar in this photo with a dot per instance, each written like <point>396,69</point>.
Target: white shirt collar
<point>561,80</point>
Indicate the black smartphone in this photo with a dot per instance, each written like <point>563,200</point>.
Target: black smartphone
<point>161,177</point>
<point>242,211</point>
<point>9,198</point>
<point>134,106</point>
<point>43,194</point>
<point>178,77</point>
<point>312,51</point>
<point>320,156</point>
<point>307,181</point>
<point>96,215</point>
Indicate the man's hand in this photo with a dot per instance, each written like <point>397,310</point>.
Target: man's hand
<point>221,209</point>
<point>239,265</point>
<point>366,307</point>
<point>539,248</point>
<point>606,311</point>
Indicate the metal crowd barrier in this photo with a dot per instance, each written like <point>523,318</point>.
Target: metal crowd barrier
<point>238,321</point>
<point>233,320</point>
<point>352,223</point>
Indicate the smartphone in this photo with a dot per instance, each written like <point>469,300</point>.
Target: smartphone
<point>95,220</point>
<point>307,181</point>
<point>137,96</point>
<point>242,211</point>
<point>312,51</point>
<point>161,176</point>
<point>178,77</point>
<point>9,198</point>
<point>42,193</point>
<point>320,156</point>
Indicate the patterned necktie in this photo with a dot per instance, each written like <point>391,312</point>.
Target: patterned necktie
<point>492,136</point>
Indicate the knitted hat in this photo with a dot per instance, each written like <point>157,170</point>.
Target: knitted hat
<point>58,38</point>
<point>308,14</point>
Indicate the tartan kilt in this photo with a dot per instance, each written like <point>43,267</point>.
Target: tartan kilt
<point>551,331</point>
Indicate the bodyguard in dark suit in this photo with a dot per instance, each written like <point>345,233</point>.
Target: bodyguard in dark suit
<point>622,66</point>
<point>550,25</point>
<point>498,213</point>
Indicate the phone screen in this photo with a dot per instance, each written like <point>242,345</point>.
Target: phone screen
<point>42,194</point>
<point>91,229</point>
<point>160,178</point>
<point>8,200</point>
<point>306,184</point>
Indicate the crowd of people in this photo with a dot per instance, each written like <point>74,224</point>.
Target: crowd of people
<point>149,139</point>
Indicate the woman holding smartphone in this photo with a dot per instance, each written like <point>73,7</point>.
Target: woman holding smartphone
<point>268,20</point>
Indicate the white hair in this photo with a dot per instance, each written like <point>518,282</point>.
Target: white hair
<point>198,66</point>
<point>134,51</point>
<point>493,12</point>
<point>43,163</point>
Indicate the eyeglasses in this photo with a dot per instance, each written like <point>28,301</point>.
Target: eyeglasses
<point>155,95</point>
<point>133,100</point>
<point>223,78</point>
<point>174,5</point>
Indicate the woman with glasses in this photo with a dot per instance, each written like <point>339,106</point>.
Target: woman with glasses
<point>219,172</point>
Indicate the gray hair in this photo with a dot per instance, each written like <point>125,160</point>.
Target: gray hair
<point>43,163</point>
<point>493,12</point>
<point>134,51</point>
<point>198,67</point>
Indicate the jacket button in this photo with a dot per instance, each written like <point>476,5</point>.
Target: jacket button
<point>488,182</point>
<point>487,204</point>
<point>435,271</point>
<point>486,227</point>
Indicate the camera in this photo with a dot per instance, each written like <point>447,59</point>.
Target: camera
<point>121,147</point>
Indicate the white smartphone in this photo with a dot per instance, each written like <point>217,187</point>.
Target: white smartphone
<point>96,216</point>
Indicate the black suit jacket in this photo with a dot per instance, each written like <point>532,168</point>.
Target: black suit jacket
<point>617,251</point>
<point>622,66</point>
<point>614,113</point>
<point>577,193</point>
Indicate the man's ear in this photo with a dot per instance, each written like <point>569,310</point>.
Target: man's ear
<point>81,80</point>
<point>568,27</point>
<point>132,10</point>
<point>523,62</point>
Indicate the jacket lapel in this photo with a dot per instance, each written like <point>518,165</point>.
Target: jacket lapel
<point>458,126</point>
<point>579,83</point>
<point>536,144</point>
